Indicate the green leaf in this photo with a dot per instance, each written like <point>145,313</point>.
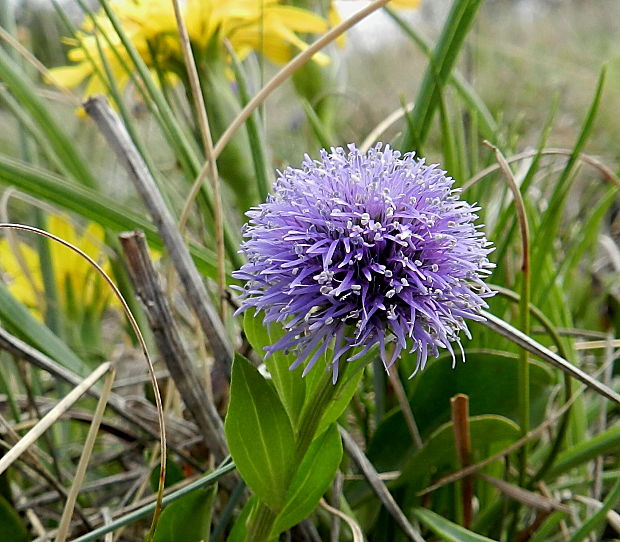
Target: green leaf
<point>311,480</point>
<point>259,433</point>
<point>187,519</point>
<point>11,524</point>
<point>290,385</point>
<point>438,455</point>
<point>345,389</point>
<point>487,377</point>
<point>446,530</point>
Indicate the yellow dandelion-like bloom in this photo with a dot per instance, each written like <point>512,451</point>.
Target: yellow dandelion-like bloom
<point>265,26</point>
<point>78,284</point>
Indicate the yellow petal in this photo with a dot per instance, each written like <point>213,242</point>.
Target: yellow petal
<point>68,76</point>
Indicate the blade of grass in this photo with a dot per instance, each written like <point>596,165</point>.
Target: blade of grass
<point>597,519</point>
<point>468,94</point>
<point>64,147</point>
<point>553,215</point>
<point>207,142</point>
<point>91,205</point>
<point>458,24</point>
<point>524,341</point>
<point>257,142</point>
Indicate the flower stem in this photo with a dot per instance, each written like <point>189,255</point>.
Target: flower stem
<point>261,523</point>
<point>263,518</point>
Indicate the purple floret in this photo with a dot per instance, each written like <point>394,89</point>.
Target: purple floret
<point>359,249</point>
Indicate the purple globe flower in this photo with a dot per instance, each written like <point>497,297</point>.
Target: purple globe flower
<point>359,249</point>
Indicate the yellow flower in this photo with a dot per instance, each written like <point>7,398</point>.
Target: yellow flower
<point>265,26</point>
<point>78,285</point>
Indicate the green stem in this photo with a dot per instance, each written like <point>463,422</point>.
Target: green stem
<point>313,411</point>
<point>262,521</point>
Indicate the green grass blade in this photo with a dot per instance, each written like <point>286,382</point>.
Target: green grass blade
<point>19,318</point>
<point>90,204</point>
<point>605,443</point>
<point>257,141</point>
<point>438,70</point>
<point>553,216</point>
<point>21,86</point>
<point>475,104</point>
<point>597,519</point>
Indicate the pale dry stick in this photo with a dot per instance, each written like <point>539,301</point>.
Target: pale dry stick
<point>21,350</point>
<point>136,329</point>
<point>31,59</point>
<point>524,496</point>
<point>601,422</point>
<point>80,472</point>
<point>52,416</point>
<point>534,433</point>
<point>607,173</point>
<point>295,63</point>
<point>384,125</point>
<point>168,339</point>
<point>356,531</point>
<point>207,142</point>
<point>378,486</point>
<point>524,341</point>
<point>36,523</point>
<point>597,345</point>
<point>405,408</point>
<point>118,138</point>
<point>336,496</point>
<point>107,519</point>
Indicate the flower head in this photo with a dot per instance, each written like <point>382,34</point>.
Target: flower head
<point>361,249</point>
<point>265,26</point>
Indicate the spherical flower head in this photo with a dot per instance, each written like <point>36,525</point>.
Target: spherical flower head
<point>358,249</point>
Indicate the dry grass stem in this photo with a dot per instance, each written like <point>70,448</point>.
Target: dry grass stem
<point>405,407</point>
<point>282,76</point>
<point>80,473</point>
<point>607,173</point>
<point>161,321</point>
<point>138,333</point>
<point>207,141</point>
<point>52,416</point>
<point>378,486</point>
<point>378,130</point>
<point>356,531</point>
<point>197,296</point>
